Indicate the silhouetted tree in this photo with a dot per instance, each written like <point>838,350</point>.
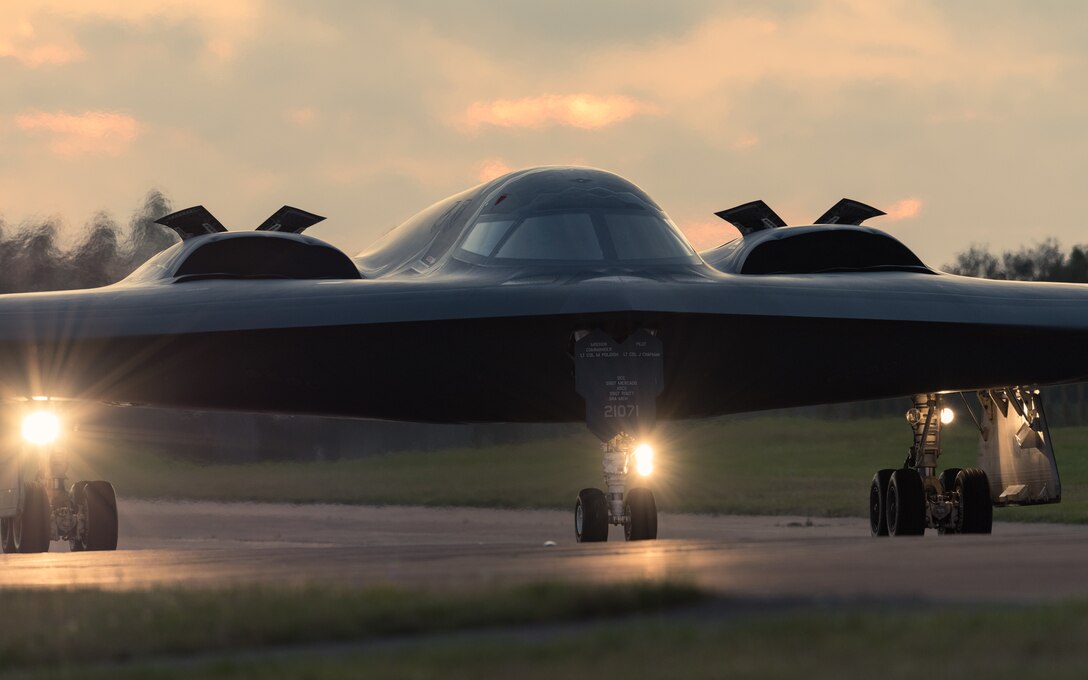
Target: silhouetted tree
<point>976,261</point>
<point>1042,262</point>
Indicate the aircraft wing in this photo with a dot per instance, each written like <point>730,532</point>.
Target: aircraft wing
<point>460,349</point>
<point>471,312</point>
<point>563,294</point>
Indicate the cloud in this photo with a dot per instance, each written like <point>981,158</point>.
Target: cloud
<point>708,77</point>
<point>585,111</point>
<point>223,25</point>
<point>92,132</point>
<point>745,142</point>
<point>904,209</point>
<point>303,116</point>
<point>492,168</point>
<point>21,41</point>
<point>35,56</point>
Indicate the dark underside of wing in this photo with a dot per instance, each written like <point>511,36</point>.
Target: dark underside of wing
<point>521,369</point>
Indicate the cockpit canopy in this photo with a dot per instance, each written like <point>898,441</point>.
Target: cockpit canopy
<point>576,225</point>
<point>552,216</point>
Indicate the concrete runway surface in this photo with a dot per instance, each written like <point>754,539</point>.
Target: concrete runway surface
<point>213,544</point>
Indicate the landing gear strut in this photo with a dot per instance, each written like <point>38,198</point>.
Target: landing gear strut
<point>634,509</point>
<point>907,501</point>
<point>34,513</point>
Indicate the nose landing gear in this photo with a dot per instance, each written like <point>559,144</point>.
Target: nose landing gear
<point>620,382</point>
<point>634,509</point>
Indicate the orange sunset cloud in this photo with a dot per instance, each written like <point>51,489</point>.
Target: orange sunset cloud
<point>91,132</point>
<point>302,116</point>
<point>492,168</point>
<point>583,111</point>
<point>42,55</point>
<point>902,209</point>
<point>20,40</point>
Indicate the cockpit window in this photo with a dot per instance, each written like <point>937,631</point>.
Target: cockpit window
<point>566,236</point>
<point>577,236</point>
<point>485,236</point>
<point>641,237</point>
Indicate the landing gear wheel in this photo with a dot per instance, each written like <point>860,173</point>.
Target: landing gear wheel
<point>97,503</point>
<point>878,492</point>
<point>30,528</point>
<point>640,508</point>
<point>7,536</point>
<point>976,514</point>
<point>591,516</point>
<point>906,504</point>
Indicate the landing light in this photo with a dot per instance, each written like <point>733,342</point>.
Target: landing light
<point>947,416</point>
<point>644,459</point>
<point>41,427</point>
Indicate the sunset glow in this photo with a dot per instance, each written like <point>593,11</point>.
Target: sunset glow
<point>577,110</point>
<point>85,133</point>
<point>368,112</point>
<point>492,168</point>
<point>708,233</point>
<point>903,209</point>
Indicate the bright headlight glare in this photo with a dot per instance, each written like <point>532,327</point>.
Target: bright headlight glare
<point>644,459</point>
<point>947,416</point>
<point>41,427</point>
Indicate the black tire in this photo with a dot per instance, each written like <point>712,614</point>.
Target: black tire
<point>591,516</point>
<point>906,501</point>
<point>878,514</point>
<point>976,515</point>
<point>30,528</point>
<point>98,502</point>
<point>641,510</point>
<point>7,537</point>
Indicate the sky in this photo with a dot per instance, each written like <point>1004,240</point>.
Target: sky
<point>965,121</point>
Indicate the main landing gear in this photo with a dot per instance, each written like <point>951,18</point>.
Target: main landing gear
<point>635,509</point>
<point>907,501</point>
<point>34,513</point>
<point>84,515</point>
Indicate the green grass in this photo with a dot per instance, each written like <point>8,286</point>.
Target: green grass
<point>57,627</point>
<point>758,466</point>
<point>1043,641</point>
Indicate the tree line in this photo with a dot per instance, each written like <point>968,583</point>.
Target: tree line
<point>1045,261</point>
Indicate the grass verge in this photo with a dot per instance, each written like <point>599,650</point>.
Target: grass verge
<point>50,627</point>
<point>855,642</point>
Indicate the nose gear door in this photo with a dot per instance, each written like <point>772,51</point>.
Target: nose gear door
<point>620,382</point>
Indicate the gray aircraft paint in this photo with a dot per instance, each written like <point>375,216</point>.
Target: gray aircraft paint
<point>429,286</point>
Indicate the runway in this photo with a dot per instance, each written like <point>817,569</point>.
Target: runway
<point>215,544</point>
